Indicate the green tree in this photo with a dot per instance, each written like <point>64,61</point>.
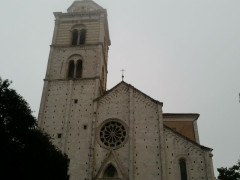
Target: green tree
<point>232,173</point>
<point>26,153</point>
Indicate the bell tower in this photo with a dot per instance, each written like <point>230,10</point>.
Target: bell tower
<point>76,75</point>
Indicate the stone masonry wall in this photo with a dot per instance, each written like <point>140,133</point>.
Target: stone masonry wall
<point>68,111</point>
<point>146,139</point>
<point>58,67</point>
<point>140,156</point>
<point>116,106</point>
<point>64,35</point>
<point>177,147</point>
<point>78,136</point>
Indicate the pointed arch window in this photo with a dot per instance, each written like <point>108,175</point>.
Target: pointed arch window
<point>79,69</point>
<point>82,36</point>
<point>78,36</point>
<point>75,37</point>
<point>71,69</point>
<point>110,172</point>
<point>183,169</point>
<point>74,68</point>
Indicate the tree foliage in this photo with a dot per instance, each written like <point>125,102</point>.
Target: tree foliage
<point>25,152</point>
<point>232,173</point>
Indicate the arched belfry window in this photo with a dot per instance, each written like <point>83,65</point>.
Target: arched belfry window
<point>78,35</point>
<point>75,37</point>
<point>79,69</point>
<point>110,172</point>
<point>183,169</point>
<point>82,36</point>
<point>71,69</point>
<point>74,66</point>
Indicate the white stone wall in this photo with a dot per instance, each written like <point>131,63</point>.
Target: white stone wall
<point>67,106</point>
<point>114,105</point>
<point>146,140</point>
<point>64,35</point>
<point>177,147</point>
<point>140,156</point>
<point>78,139</point>
<point>54,112</point>
<point>91,58</point>
<point>63,115</point>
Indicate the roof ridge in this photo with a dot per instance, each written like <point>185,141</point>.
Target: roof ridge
<point>123,82</point>
<point>186,138</point>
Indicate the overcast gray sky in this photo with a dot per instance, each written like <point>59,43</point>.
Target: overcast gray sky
<point>184,53</point>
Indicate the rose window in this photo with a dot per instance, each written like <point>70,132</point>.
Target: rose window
<point>112,134</point>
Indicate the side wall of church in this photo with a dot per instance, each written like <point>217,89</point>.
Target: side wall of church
<point>198,162</point>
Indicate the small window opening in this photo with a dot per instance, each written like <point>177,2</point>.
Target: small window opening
<point>82,36</point>
<point>79,69</point>
<point>75,101</point>
<point>183,169</point>
<point>85,127</point>
<point>71,69</point>
<point>59,135</point>
<point>110,172</point>
<point>74,37</point>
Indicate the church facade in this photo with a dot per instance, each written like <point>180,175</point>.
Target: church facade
<point>119,134</point>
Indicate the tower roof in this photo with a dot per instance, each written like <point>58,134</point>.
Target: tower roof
<point>84,6</point>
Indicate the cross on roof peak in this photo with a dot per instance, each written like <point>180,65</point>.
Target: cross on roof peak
<point>123,74</point>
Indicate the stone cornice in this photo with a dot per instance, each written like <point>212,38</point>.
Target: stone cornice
<point>84,46</point>
<point>181,115</point>
<point>81,14</point>
<point>73,79</point>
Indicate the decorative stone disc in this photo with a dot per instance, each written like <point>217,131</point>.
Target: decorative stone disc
<point>112,134</point>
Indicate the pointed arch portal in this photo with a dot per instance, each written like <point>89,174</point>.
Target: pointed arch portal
<point>110,172</point>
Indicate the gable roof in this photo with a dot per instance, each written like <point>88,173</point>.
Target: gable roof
<point>186,138</point>
<point>130,86</point>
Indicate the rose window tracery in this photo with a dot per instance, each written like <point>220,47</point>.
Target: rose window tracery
<point>113,134</point>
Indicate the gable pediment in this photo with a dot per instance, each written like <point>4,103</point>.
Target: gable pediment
<point>124,87</point>
<point>111,161</point>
